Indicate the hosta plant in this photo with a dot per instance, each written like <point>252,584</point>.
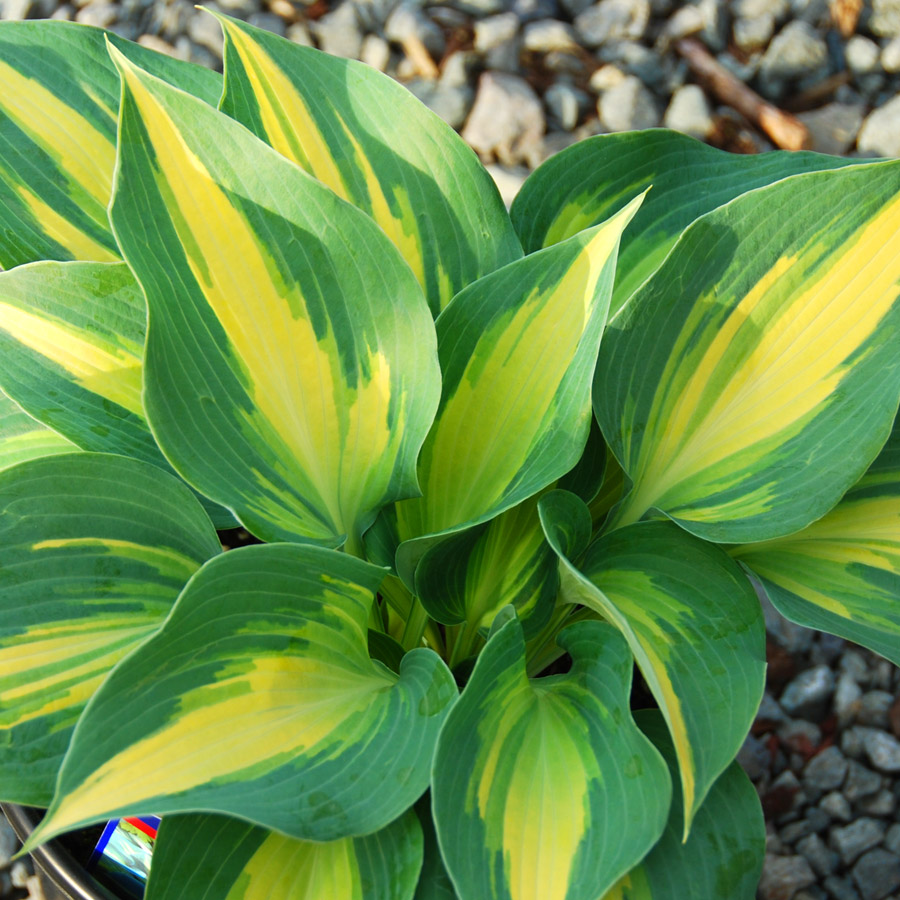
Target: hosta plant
<point>507,475</point>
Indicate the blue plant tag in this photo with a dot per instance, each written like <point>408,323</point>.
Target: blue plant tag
<point>122,855</point>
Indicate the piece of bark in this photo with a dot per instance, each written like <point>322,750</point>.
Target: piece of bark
<point>784,130</point>
<point>845,15</point>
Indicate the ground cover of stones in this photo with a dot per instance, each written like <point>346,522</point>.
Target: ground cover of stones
<point>521,80</point>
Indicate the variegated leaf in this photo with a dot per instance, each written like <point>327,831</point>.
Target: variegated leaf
<point>71,354</point>
<point>692,621</point>
<point>722,858</point>
<point>545,789</point>
<point>258,699</point>
<point>755,377</point>
<point>374,144</point>
<point>517,351</point>
<point>23,438</point>
<point>434,882</point>
<point>587,182</point>
<point>59,99</point>
<point>93,552</point>
<point>290,371</point>
<point>842,573</point>
<point>207,857</point>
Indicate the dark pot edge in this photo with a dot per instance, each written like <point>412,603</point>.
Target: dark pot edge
<point>55,861</point>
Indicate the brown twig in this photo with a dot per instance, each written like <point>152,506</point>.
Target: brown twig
<point>785,130</point>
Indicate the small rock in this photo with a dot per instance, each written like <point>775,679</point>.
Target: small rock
<point>634,59</point>
<point>826,771</point>
<point>814,892</point>
<point>152,42</point>
<point>881,804</point>
<point>14,10</point>
<point>794,638</point>
<point>836,806</point>
<point>548,34</point>
<point>855,665</point>
<point>892,838</point>
<point>769,713</point>
<point>205,30</point>
<point>268,22</point>
<point>852,742</point>
<point>564,62</point>
<point>808,693</point>
<point>829,647</point>
<point>564,103</point>
<point>606,77</point>
<point>505,57</point>
<point>574,7</point>
<point>753,34</point>
<point>860,782</point>
<point>408,21</point>
<point>684,22</point>
<point>885,19</point>
<point>373,14</point>
<point>298,33</point>
<point>338,31</point>
<point>800,736</point>
<point>20,872</point>
<point>458,68</point>
<point>880,133</point>
<point>794,831</point>
<point>532,10</point>
<point>495,30</point>
<point>480,8</point>
<point>783,876</point>
<point>102,15</point>
<point>628,106</point>
<point>890,57</point>
<point>451,103</point>
<point>847,694</point>
<point>877,874</point>
<point>754,757</point>
<point>875,709</point>
<point>752,9</point>
<point>507,120</point>
<point>8,842</point>
<point>508,181</point>
<point>797,50</point>
<point>854,839</point>
<point>612,19</point>
<point>784,795</point>
<point>715,30</point>
<point>840,888</point>
<point>883,749</point>
<point>375,52</point>
<point>862,55</point>
<point>64,13</point>
<point>822,860</point>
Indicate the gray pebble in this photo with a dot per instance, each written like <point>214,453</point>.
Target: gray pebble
<point>860,782</point>
<point>809,692</point>
<point>684,22</point>
<point>548,34</point>
<point>796,50</point>
<point>852,742</point>
<point>833,129</point>
<point>892,838</point>
<point>268,22</point>
<point>883,749</point>
<point>826,771</point>
<point>612,19</point>
<point>829,647</point>
<point>408,21</point>
<point>14,10</point>
<point>338,31</point>
<point>840,888</point>
<point>877,874</point>
<point>890,56</point>
<point>874,707</point>
<point>564,103</point>
<point>64,13</point>
<point>885,19</point>
<point>451,102</point>
<point>854,664</point>
<point>753,34</point>
<point>862,55</point>
<point>505,57</point>
<point>715,30</point>
<point>794,638</point>
<point>101,14</point>
<point>603,79</point>
<point>754,757</point>
<point>205,30</point>
<point>854,839</point>
<point>881,804</point>
<point>836,806</point>
<point>783,876</point>
<point>769,710</point>
<point>508,181</point>
<point>531,10</point>
<point>815,12</point>
<point>20,872</point>
<point>822,860</point>
<point>574,7</point>
<point>372,14</point>
<point>634,59</point>
<point>480,7</point>
<point>800,736</point>
<point>565,63</point>
<point>458,67</point>
<point>794,831</point>
<point>847,693</point>
<point>298,33</point>
<point>375,52</point>
<point>880,133</point>
<point>242,8</point>
<point>495,30</point>
<point>507,120</point>
<point>751,9</point>
<point>628,106</point>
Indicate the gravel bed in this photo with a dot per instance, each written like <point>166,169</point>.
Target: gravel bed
<point>521,80</point>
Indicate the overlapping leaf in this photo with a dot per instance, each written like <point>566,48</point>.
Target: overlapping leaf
<point>693,623</point>
<point>290,370</point>
<point>545,789</point>
<point>755,377</point>
<point>374,144</point>
<point>587,182</point>
<point>842,573</point>
<point>93,552</point>
<point>23,438</point>
<point>517,351</point>
<point>258,699</point>
<point>208,857</point>
<point>58,113</point>
<point>722,858</point>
